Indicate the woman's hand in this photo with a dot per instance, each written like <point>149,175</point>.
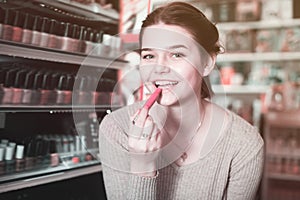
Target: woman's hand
<point>145,141</point>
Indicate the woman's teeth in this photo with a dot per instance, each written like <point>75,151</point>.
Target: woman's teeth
<point>165,83</point>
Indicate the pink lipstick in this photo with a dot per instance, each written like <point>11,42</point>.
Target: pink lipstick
<point>152,98</point>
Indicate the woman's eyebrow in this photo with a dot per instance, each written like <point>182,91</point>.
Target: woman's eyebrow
<point>167,48</point>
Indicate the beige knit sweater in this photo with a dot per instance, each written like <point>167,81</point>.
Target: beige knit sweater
<point>232,169</point>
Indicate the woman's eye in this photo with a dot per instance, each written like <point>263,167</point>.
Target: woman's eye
<point>177,55</point>
<point>148,56</point>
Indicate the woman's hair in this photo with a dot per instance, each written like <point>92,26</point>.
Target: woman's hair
<point>193,20</point>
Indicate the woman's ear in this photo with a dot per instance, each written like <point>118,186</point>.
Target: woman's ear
<point>210,65</point>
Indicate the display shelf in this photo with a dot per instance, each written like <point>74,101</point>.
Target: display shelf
<point>240,89</point>
<point>55,108</point>
<point>283,119</point>
<point>262,56</point>
<point>49,175</point>
<point>86,9</point>
<point>263,24</point>
<point>280,176</point>
<point>39,53</point>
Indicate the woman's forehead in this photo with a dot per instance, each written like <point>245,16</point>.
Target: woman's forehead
<point>162,36</point>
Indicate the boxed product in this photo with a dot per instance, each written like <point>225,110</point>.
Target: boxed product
<point>277,9</point>
<point>290,39</point>
<point>248,10</point>
<point>239,40</point>
<point>267,40</point>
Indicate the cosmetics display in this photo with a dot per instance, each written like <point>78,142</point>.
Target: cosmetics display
<point>46,32</point>
<point>43,151</point>
<point>21,84</point>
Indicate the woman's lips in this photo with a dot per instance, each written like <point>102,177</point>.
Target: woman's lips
<point>165,84</point>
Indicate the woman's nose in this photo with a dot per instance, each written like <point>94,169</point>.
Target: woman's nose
<point>162,65</point>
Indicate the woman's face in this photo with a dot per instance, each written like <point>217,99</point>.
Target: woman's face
<point>173,61</point>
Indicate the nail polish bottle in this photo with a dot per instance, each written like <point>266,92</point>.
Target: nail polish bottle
<point>43,33</point>
<point>2,14</point>
<point>53,39</point>
<point>27,32</point>
<point>60,91</point>
<point>17,90</point>
<point>46,152</point>
<point>81,40</point>
<point>54,157</point>
<point>8,86</point>
<point>29,157</point>
<point>2,163</point>
<point>7,26</point>
<point>89,37</point>
<point>27,87</point>
<point>37,82</point>
<point>9,161</point>
<point>98,47</point>
<point>45,92</point>
<point>82,95</point>
<point>17,30</point>
<point>20,161</point>
<point>75,41</point>
<point>68,89</point>
<point>65,37</point>
<point>38,153</point>
<point>36,34</point>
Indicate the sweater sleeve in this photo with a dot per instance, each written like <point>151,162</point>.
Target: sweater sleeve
<point>246,168</point>
<point>115,158</point>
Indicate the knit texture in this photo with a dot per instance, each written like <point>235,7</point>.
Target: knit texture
<point>232,168</point>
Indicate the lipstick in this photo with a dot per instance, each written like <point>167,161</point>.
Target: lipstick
<point>152,98</point>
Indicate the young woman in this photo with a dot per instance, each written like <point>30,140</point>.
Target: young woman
<point>183,146</point>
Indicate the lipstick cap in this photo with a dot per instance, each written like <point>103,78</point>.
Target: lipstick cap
<point>2,150</point>
<point>20,152</point>
<point>9,152</point>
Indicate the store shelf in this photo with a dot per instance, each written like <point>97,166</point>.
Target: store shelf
<point>280,176</point>
<point>56,108</point>
<point>49,175</point>
<point>284,119</point>
<point>262,56</point>
<point>240,89</point>
<point>264,24</point>
<point>38,53</point>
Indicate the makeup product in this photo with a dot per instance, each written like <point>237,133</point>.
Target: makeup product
<point>89,36</point>
<point>36,34</point>
<point>2,163</point>
<point>7,26</point>
<point>75,42</point>
<point>68,89</point>
<point>37,82</point>
<point>2,14</point>
<point>17,30</point>
<point>9,161</point>
<point>152,98</point>
<point>17,89</point>
<point>45,92</point>
<point>66,42</point>
<point>82,95</point>
<point>97,44</point>
<point>54,157</point>
<point>43,33</point>
<point>61,90</point>
<point>52,37</point>
<point>29,156</point>
<point>27,32</point>
<point>8,86</point>
<point>27,87</point>
<point>20,161</point>
<point>81,45</point>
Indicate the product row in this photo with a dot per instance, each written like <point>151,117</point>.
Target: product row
<point>42,31</point>
<point>256,73</point>
<point>241,10</point>
<point>25,85</point>
<point>284,141</point>
<point>283,165</point>
<point>42,151</point>
<point>263,40</point>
